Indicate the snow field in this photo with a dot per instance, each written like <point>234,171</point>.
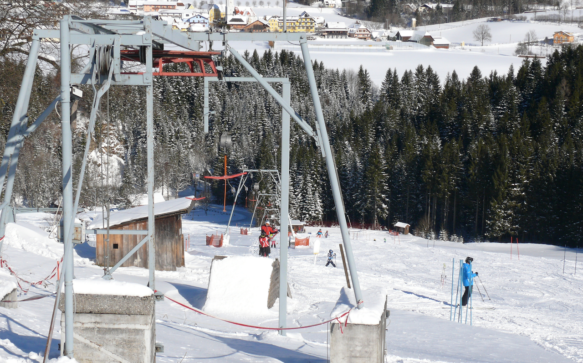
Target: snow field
<point>536,314</point>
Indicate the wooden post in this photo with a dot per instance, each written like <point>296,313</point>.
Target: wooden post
<point>345,265</point>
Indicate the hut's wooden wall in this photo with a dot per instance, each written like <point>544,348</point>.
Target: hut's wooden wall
<point>169,245</point>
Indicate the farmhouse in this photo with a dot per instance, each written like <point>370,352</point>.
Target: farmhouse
<point>334,30</point>
<point>168,236</point>
<point>562,37</point>
<point>258,26</point>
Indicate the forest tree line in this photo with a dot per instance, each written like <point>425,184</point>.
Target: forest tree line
<point>485,158</point>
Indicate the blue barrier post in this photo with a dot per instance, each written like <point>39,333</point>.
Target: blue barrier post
<point>451,301</point>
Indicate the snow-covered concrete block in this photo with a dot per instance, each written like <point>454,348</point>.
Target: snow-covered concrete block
<point>359,337</point>
<point>114,321</point>
<point>8,290</point>
<point>239,287</point>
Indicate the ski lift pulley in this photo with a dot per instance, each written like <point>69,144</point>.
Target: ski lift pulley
<point>225,140</point>
<point>256,186</point>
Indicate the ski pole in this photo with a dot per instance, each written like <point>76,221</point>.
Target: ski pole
<point>480,292</point>
<point>484,286</point>
<point>461,294</point>
<point>457,289</point>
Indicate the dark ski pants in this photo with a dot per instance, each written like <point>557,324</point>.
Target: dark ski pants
<point>467,294</point>
<point>264,251</point>
<point>330,262</point>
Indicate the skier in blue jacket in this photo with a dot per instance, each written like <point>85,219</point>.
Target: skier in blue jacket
<point>468,280</point>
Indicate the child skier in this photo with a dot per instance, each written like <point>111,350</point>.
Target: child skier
<point>331,255</point>
<point>264,249</point>
<point>319,233</point>
<point>468,280</point>
<point>272,240</point>
<point>326,235</point>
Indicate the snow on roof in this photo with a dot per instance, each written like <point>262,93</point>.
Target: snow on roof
<point>239,19</point>
<point>336,25</point>
<point>440,41</point>
<point>180,205</point>
<point>295,222</point>
<point>369,314</point>
<point>406,33</point>
<point>320,20</point>
<point>99,286</point>
<point>402,225</point>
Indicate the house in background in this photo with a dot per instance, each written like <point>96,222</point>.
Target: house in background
<point>156,6</point>
<point>423,38</point>
<point>402,227</point>
<point>440,42</point>
<point>562,37</point>
<point>237,22</point>
<point>404,35</point>
<point>359,31</point>
<point>334,30</point>
<point>257,26</point>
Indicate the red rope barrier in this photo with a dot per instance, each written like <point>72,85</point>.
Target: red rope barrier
<point>225,176</point>
<point>201,198</point>
<point>52,274</point>
<point>268,328</point>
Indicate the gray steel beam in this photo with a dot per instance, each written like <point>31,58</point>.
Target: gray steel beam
<point>15,139</point>
<point>125,258</point>
<point>304,125</point>
<point>334,182</point>
<point>117,231</point>
<point>67,152</point>
<point>150,157</point>
<point>284,207</point>
<point>42,117</point>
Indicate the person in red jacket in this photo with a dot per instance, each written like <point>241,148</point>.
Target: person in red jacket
<point>264,249</point>
<point>270,232</point>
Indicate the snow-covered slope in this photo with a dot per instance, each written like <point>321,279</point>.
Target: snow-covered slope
<point>534,314</point>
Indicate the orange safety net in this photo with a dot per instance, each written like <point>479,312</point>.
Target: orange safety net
<point>224,177</point>
<point>302,242</point>
<point>201,198</point>
<point>245,231</point>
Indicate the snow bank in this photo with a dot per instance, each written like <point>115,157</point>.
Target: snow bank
<point>100,286</point>
<point>369,314</point>
<point>239,286</point>
<point>132,214</point>
<point>27,237</point>
<point>7,283</point>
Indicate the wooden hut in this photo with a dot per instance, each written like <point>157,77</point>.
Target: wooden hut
<point>168,235</point>
<point>297,226</point>
<point>402,227</point>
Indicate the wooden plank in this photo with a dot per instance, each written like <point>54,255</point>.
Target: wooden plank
<point>99,250</point>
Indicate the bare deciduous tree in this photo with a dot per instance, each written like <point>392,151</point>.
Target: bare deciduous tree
<point>482,33</point>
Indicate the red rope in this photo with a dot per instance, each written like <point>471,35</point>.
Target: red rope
<point>225,176</point>
<point>264,327</point>
<point>201,198</point>
<point>52,274</point>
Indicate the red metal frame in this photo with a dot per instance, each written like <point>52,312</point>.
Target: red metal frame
<point>161,57</point>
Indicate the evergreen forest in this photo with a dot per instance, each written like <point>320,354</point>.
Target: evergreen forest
<point>483,158</point>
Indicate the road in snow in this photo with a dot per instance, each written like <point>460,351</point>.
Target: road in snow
<point>534,315</point>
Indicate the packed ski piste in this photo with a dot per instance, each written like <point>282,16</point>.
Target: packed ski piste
<point>527,309</point>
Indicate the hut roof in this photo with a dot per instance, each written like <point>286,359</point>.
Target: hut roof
<point>295,222</point>
<point>171,207</point>
<point>401,225</point>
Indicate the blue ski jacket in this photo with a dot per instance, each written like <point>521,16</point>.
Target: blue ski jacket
<point>467,275</point>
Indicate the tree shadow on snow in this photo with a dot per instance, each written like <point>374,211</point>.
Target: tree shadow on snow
<point>196,296</point>
<point>269,350</point>
<point>26,343</point>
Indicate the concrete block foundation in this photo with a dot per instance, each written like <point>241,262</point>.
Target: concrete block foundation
<point>358,343</point>
<point>113,328</point>
<point>11,296</point>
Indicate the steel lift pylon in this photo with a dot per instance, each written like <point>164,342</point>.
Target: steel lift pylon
<point>110,42</point>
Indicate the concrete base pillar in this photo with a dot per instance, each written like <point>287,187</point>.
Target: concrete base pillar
<point>113,328</point>
<point>11,296</point>
<point>358,343</point>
